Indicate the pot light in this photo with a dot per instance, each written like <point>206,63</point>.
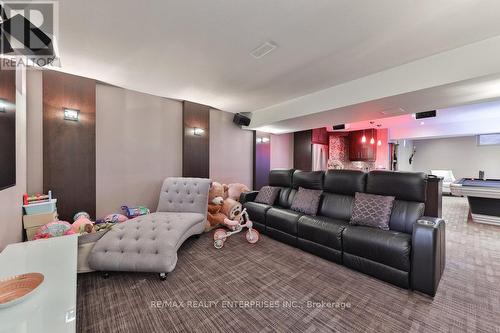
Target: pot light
<point>198,131</point>
<point>71,114</point>
<point>422,123</point>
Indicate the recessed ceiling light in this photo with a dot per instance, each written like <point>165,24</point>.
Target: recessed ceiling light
<point>263,50</point>
<point>422,123</point>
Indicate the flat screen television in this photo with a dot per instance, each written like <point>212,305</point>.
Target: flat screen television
<point>7,128</point>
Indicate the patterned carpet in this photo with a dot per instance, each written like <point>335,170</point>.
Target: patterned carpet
<point>272,287</point>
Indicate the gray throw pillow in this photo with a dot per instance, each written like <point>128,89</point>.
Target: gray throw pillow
<point>267,195</point>
<point>372,210</point>
<point>306,201</point>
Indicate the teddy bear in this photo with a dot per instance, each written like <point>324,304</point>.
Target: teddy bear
<point>221,211</point>
<point>215,201</point>
<point>234,190</point>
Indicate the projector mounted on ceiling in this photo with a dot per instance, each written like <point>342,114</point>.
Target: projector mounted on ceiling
<point>263,50</point>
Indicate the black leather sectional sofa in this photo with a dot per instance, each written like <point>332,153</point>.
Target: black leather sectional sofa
<point>410,255</point>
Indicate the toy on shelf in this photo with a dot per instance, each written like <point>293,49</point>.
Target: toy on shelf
<point>39,204</point>
<point>132,212</point>
<point>252,235</point>
<point>36,198</point>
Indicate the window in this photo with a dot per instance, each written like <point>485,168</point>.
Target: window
<point>488,139</point>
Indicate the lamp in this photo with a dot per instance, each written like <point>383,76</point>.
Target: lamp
<point>265,140</point>
<point>198,131</point>
<point>379,143</point>
<point>363,139</point>
<point>71,114</point>
<point>372,140</point>
<point>3,103</point>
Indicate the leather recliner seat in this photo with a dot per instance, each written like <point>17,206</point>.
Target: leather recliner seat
<point>410,255</point>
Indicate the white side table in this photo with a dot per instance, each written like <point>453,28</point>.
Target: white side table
<point>52,307</point>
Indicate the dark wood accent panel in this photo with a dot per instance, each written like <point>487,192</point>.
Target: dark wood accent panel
<point>320,136</point>
<point>302,150</point>
<point>261,159</point>
<point>69,147</point>
<point>7,128</point>
<point>359,151</point>
<point>434,198</point>
<point>195,148</point>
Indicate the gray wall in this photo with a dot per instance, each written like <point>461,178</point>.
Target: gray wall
<point>282,151</point>
<point>11,198</point>
<point>35,131</point>
<point>139,144</point>
<point>231,150</point>
<point>462,155</point>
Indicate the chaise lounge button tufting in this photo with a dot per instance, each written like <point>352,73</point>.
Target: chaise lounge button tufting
<point>157,235</point>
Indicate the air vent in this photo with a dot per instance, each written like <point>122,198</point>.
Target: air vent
<point>263,50</point>
<point>338,127</point>
<point>426,114</point>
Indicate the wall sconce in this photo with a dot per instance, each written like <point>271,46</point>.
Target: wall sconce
<point>198,131</point>
<point>262,140</point>
<point>71,114</point>
<point>3,105</point>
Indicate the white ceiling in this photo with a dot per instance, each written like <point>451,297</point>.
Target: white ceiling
<point>199,50</point>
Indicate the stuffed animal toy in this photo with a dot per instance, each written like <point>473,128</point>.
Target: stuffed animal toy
<point>54,229</point>
<point>215,202</point>
<point>221,211</point>
<point>82,224</point>
<point>232,210</point>
<point>233,191</point>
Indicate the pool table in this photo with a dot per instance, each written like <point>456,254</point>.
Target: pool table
<point>483,196</point>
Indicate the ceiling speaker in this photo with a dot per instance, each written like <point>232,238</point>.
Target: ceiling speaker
<point>241,120</point>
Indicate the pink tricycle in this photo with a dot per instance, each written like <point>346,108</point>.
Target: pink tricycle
<point>221,234</point>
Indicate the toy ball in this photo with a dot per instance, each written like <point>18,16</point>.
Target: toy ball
<point>54,229</point>
<point>115,218</point>
<point>81,214</point>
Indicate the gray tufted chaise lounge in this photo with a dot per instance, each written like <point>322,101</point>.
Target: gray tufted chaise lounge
<point>149,243</point>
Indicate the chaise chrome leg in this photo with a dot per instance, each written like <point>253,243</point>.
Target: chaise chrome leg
<point>105,275</point>
<point>163,276</point>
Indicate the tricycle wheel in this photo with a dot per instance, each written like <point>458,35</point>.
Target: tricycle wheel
<point>218,244</point>
<point>252,236</point>
<point>220,234</point>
